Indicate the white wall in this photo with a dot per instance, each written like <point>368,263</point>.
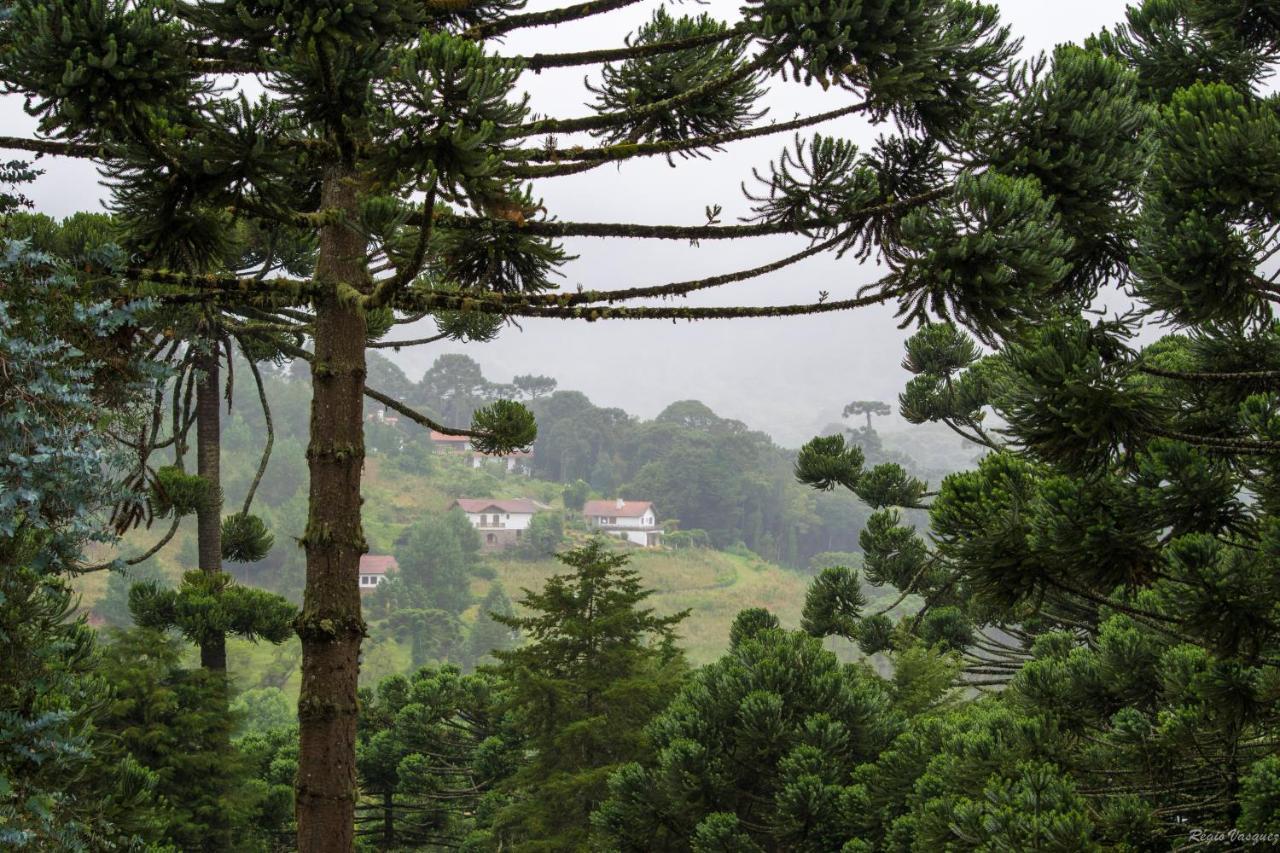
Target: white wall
<point>646,520</point>
<point>508,520</point>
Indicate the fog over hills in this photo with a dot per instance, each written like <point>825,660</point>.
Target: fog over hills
<point>789,377</point>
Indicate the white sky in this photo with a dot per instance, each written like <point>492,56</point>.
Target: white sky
<point>786,376</point>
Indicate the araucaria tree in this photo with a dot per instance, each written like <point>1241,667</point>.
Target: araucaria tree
<point>1112,561</point>
<point>379,122</point>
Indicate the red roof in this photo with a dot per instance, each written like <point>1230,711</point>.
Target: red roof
<point>611,509</point>
<point>451,439</point>
<point>378,564</point>
<point>519,505</point>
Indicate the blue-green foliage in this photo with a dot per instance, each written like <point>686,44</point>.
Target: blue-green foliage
<point>54,454</point>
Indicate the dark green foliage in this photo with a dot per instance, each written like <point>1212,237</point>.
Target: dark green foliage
<point>245,538</point>
<point>992,258</point>
<point>1073,129</point>
<point>827,462</point>
<point>945,769</point>
<point>430,750</point>
<point>177,492</point>
<point>433,635</point>
<point>1169,55</point>
<point>824,181</point>
<point>173,722</point>
<point>576,494</point>
<point>208,605</point>
<point>1038,810</point>
<point>748,623</point>
<point>1069,402</point>
<point>57,788</point>
<point>649,79</point>
<point>875,634</point>
<point>113,607</point>
<point>596,666</point>
<point>487,634</point>
<point>500,257</point>
<point>1212,195</point>
<point>979,519</point>
<point>892,552</point>
<point>880,48</point>
<point>947,626</point>
<point>502,427</point>
<point>438,556</point>
<point>760,745</point>
<point>544,535</point>
<point>832,604</point>
<point>1260,797</point>
<point>128,64</point>
<point>377,323</point>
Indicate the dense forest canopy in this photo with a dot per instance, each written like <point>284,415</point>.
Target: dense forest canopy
<point>1074,644</point>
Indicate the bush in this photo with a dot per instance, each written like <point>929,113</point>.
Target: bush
<point>687,539</point>
<point>544,536</point>
<point>576,494</point>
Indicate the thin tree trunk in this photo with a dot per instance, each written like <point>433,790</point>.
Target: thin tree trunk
<point>213,649</point>
<point>388,821</point>
<point>330,624</point>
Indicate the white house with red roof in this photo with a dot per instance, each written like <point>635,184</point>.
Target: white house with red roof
<point>516,462</point>
<point>635,521</point>
<point>374,569</point>
<point>501,523</point>
<point>452,443</point>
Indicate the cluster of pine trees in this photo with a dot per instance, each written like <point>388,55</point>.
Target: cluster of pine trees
<point>1096,664</point>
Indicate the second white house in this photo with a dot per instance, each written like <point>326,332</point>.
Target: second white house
<point>634,521</point>
<point>501,523</point>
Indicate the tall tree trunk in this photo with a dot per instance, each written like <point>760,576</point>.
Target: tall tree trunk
<point>213,646</point>
<point>330,624</point>
<point>213,649</point>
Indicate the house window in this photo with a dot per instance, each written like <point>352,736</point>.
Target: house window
<point>364,580</point>
<point>491,538</point>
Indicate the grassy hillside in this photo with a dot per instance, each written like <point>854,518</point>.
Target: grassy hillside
<point>713,585</point>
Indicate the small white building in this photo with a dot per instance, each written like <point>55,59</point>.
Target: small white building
<point>634,521</point>
<point>501,523</point>
<point>516,462</point>
<point>450,443</point>
<point>374,569</point>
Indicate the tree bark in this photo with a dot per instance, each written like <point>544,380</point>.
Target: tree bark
<point>388,820</point>
<point>213,649</point>
<point>330,624</point>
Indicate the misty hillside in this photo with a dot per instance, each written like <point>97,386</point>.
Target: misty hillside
<point>408,480</point>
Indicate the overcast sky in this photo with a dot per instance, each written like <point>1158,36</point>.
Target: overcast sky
<point>786,376</point>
